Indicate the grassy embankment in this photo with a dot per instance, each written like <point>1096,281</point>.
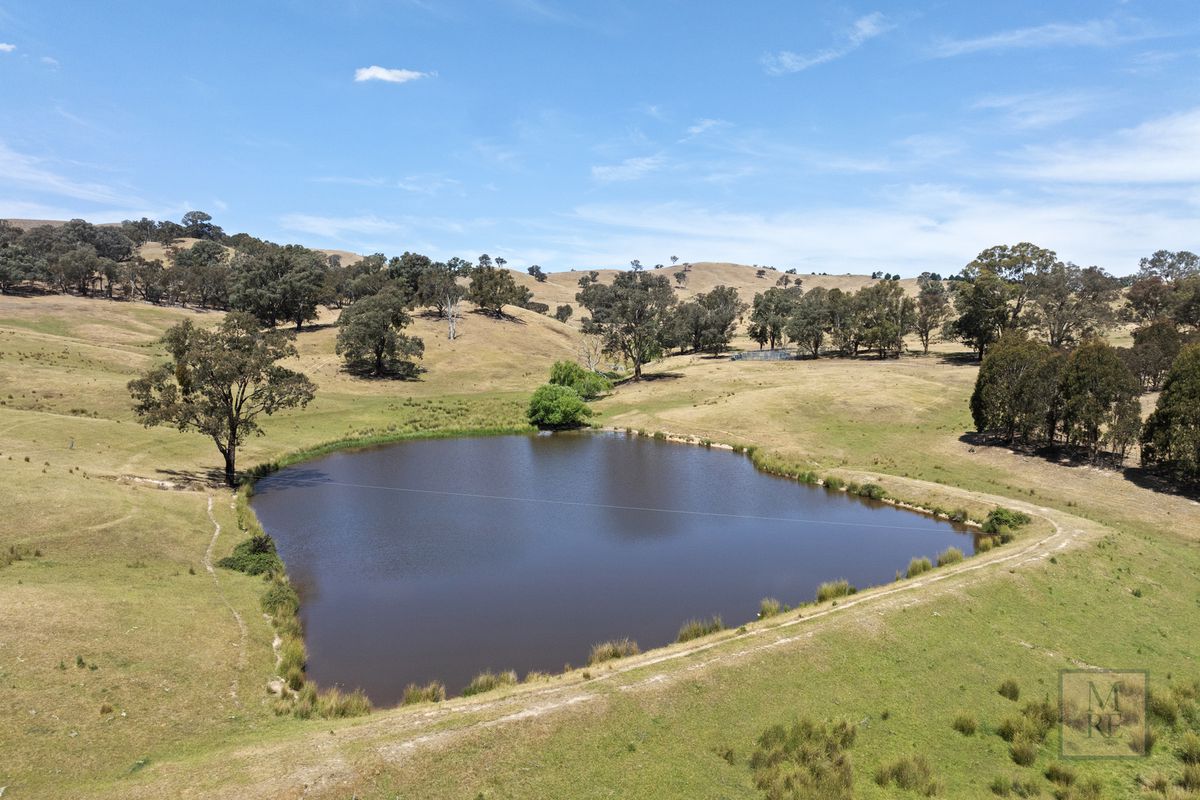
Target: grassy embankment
<point>114,587</point>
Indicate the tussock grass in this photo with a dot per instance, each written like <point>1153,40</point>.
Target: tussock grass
<point>695,628</point>
<point>831,590</point>
<point>834,483</point>
<point>1023,751</point>
<point>334,703</point>
<point>1008,688</point>
<point>1189,748</point>
<point>918,566</point>
<point>769,607</point>
<point>487,680</point>
<point>965,724</point>
<point>611,650</point>
<point>951,555</point>
<point>805,760</point>
<point>432,692</point>
<point>1061,774</point>
<point>911,773</point>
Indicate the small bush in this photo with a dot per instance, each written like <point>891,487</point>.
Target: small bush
<point>804,760</point>
<point>872,491</point>
<point>486,681</point>
<point>951,555</point>
<point>586,384</point>
<point>833,589</point>
<point>911,773</point>
<point>1164,706</point>
<point>965,724</point>
<point>695,628</point>
<point>959,515</point>
<point>834,483</point>
<point>917,566</point>
<point>432,692</point>
<point>985,544</point>
<point>1009,688</point>
<point>292,655</point>
<point>610,650</point>
<point>769,607</point>
<point>1023,751</point>
<point>280,599</point>
<point>555,407</point>
<point>999,518</point>
<point>253,556</point>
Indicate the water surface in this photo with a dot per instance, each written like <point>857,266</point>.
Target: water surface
<point>438,559</point>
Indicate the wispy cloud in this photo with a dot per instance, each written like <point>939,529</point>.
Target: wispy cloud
<point>630,169</point>
<point>863,30</point>
<point>1094,33</point>
<point>1165,150</point>
<point>29,173</point>
<point>50,61</point>
<point>377,73</point>
<point>5,47</point>
<point>1038,109</point>
<point>705,125</point>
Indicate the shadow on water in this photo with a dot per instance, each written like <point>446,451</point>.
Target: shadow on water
<point>438,559</point>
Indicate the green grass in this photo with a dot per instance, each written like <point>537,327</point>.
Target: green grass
<point>831,590</point>
<point>487,681</point>
<point>612,650</point>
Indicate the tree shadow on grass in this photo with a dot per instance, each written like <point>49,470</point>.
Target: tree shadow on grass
<point>502,317</point>
<point>960,359</point>
<point>1074,457</point>
<point>401,371</point>
<point>212,478</point>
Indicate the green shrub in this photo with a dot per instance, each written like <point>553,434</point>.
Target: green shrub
<point>805,760</point>
<point>834,483</point>
<point>833,589</point>
<point>557,407</point>
<point>586,384</point>
<point>951,555</point>
<point>432,692</point>
<point>280,599</point>
<point>1009,688</point>
<point>872,491</point>
<point>1000,517</point>
<point>985,543</point>
<point>695,628</point>
<point>918,565</point>
<point>486,681</point>
<point>911,773</point>
<point>959,515</point>
<point>769,607</point>
<point>965,724</point>
<point>613,649</point>
<point>292,656</point>
<point>253,556</point>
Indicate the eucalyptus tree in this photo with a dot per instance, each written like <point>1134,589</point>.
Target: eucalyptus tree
<point>630,315</point>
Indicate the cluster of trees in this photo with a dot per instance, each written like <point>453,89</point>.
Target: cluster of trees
<point>638,317</point>
<point>876,318</point>
<point>1088,399</point>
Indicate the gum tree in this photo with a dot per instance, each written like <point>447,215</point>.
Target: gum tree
<point>220,382</point>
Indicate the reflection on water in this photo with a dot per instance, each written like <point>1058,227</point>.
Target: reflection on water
<point>439,559</point>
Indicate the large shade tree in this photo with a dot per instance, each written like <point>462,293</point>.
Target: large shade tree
<point>369,335</point>
<point>630,315</point>
<point>220,382</point>
<point>1171,438</point>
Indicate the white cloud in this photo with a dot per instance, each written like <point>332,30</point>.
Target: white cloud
<point>27,173</point>
<point>1163,151</point>
<point>628,170</point>
<point>376,73</point>
<point>705,125</point>
<point>1095,33</point>
<point>49,61</point>
<point>863,30</point>
<point>5,47</point>
<point>1038,109</point>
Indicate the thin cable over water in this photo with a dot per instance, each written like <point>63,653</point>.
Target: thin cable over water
<point>584,504</point>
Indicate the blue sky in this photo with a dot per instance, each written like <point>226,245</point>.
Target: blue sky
<point>825,136</point>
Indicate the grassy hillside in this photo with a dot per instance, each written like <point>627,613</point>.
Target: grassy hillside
<point>127,674</point>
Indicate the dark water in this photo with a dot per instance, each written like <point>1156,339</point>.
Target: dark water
<point>442,558</point>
